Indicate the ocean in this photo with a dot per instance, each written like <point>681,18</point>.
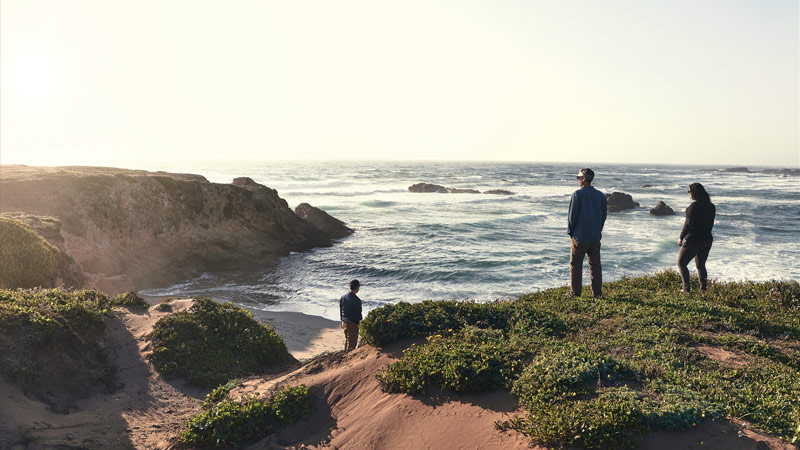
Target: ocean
<point>417,246</point>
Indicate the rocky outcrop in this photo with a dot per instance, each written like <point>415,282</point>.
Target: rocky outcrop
<point>737,170</point>
<point>427,188</point>
<point>245,182</point>
<point>329,225</point>
<point>662,209</point>
<point>784,172</point>
<point>131,229</point>
<point>788,172</point>
<point>620,201</point>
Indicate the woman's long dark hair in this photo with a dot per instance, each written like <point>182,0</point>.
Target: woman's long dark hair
<point>699,193</point>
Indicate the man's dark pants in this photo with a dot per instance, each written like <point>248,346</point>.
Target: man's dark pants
<point>350,335</point>
<point>576,254</point>
<point>698,251</point>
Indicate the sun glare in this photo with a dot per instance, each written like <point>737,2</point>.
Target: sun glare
<point>32,78</point>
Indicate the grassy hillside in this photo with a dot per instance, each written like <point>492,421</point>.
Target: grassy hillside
<point>596,372</point>
<point>30,261</point>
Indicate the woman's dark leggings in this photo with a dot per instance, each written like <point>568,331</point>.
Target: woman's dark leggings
<point>698,251</point>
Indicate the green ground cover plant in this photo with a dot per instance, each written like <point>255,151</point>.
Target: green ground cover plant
<point>212,343</point>
<point>226,422</point>
<point>597,372</point>
<point>163,307</point>
<point>470,360</point>
<point>51,343</point>
<point>408,320</point>
<point>28,261</point>
<point>220,392</point>
<point>129,300</point>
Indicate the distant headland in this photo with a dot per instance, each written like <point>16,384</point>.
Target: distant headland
<point>132,229</point>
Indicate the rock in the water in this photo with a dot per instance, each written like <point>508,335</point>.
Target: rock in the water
<point>784,172</point>
<point>426,187</point>
<point>620,201</point>
<point>662,209</point>
<point>737,170</point>
<point>331,226</point>
<point>498,192</point>
<point>647,185</point>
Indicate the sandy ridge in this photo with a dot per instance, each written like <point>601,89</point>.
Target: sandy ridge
<point>349,410</point>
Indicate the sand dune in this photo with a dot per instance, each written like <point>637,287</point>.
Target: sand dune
<point>349,410</point>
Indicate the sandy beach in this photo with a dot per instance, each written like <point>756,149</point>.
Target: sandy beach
<point>305,336</point>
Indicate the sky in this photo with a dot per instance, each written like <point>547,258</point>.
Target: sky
<point>103,82</point>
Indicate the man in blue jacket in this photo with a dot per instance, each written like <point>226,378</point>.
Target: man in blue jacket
<point>588,209</point>
<point>350,312</point>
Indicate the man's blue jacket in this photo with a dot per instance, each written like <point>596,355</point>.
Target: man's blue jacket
<point>350,308</point>
<point>588,209</point>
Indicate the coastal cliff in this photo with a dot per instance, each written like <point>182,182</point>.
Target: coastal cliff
<point>132,229</point>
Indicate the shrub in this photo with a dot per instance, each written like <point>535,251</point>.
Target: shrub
<point>403,320</point>
<point>407,320</point>
<point>51,343</point>
<point>229,422</point>
<point>163,307</point>
<point>129,300</point>
<point>213,342</point>
<point>471,360</point>
<point>561,372</point>
<point>220,392</point>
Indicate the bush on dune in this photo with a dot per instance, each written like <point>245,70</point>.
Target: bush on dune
<point>129,300</point>
<point>596,372</point>
<point>408,320</point>
<point>212,343</point>
<point>226,422</point>
<point>51,343</point>
<point>471,360</point>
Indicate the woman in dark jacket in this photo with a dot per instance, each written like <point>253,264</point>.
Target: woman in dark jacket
<point>696,238</point>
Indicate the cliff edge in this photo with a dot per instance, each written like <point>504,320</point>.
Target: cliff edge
<point>132,229</point>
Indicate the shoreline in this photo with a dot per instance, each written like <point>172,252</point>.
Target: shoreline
<point>305,336</point>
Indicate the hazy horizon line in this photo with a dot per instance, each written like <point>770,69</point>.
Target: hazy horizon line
<point>128,163</point>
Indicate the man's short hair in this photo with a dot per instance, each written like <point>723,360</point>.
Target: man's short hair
<point>588,174</point>
<point>354,284</point>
